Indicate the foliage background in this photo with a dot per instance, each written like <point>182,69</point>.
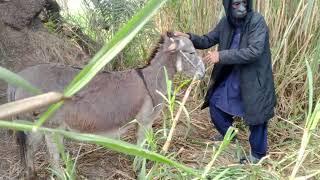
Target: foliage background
<point>295,39</point>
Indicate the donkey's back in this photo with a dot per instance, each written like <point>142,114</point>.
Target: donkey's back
<point>107,103</point>
<point>46,77</point>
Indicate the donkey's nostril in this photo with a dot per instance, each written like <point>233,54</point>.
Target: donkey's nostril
<point>201,73</point>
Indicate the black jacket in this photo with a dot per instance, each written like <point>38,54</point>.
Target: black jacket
<point>253,59</point>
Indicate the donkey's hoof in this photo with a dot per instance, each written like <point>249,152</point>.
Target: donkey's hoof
<point>30,175</point>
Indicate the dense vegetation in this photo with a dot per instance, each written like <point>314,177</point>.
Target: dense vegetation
<point>295,41</point>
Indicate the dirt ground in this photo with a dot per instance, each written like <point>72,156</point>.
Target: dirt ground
<point>93,162</point>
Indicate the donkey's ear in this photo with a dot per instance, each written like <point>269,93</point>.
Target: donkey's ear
<point>170,34</point>
<point>173,45</point>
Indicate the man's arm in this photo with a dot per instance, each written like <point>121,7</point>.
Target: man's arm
<point>257,41</point>
<point>208,40</point>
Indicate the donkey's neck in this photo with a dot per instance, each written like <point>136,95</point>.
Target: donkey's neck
<point>163,60</point>
<point>154,74</point>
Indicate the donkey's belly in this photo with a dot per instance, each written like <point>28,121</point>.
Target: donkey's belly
<point>89,118</point>
<point>105,104</point>
<point>91,123</point>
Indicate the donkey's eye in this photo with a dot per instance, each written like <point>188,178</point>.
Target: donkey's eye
<point>192,53</point>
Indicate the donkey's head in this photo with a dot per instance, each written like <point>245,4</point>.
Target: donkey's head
<point>187,59</point>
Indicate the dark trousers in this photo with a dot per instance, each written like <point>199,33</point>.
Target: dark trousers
<point>258,134</point>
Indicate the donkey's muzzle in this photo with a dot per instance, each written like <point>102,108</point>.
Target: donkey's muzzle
<point>201,70</point>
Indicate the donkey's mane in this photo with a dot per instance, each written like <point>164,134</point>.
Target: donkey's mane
<point>157,48</point>
<point>153,54</point>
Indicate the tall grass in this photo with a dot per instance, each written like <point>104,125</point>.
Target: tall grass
<point>101,20</point>
<point>295,39</point>
<point>312,120</point>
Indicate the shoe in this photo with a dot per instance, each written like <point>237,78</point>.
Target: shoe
<point>249,160</point>
<point>219,138</point>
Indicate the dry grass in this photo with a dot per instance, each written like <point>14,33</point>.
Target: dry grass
<point>294,36</point>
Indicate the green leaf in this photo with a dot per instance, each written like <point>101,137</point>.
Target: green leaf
<point>231,133</point>
<point>52,109</point>
<point>16,80</point>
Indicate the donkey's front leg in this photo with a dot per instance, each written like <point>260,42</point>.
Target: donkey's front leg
<point>145,126</point>
<point>145,117</point>
<point>143,131</point>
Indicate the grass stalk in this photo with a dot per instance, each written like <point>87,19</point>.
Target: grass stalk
<point>177,116</point>
<point>29,104</point>
<point>231,133</point>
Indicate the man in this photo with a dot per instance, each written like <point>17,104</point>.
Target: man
<point>242,81</point>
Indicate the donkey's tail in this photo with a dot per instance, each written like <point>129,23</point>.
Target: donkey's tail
<point>20,136</point>
<point>11,91</point>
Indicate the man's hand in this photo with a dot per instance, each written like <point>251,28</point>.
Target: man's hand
<point>177,33</point>
<point>212,57</point>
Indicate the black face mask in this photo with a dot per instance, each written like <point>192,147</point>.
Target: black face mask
<point>239,9</point>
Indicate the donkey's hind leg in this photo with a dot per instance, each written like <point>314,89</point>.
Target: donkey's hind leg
<point>53,149</point>
<point>29,143</point>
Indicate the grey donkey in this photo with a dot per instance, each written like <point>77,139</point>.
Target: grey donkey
<point>110,101</point>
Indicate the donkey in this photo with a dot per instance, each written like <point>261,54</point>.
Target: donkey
<point>111,99</point>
